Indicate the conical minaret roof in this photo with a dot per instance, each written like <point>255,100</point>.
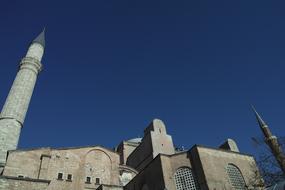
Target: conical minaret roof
<point>258,117</point>
<point>40,38</point>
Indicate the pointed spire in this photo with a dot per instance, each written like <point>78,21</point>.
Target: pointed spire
<point>258,117</point>
<point>40,38</point>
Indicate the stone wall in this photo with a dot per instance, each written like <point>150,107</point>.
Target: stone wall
<point>211,165</point>
<point>100,164</point>
<point>159,173</point>
<point>125,149</point>
<point>14,183</point>
<point>142,155</point>
<point>170,164</point>
<point>151,177</point>
<point>25,163</point>
<point>155,141</point>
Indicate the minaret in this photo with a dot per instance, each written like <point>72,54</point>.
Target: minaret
<point>271,141</point>
<point>15,108</point>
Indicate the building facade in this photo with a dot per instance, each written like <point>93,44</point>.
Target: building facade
<point>148,163</point>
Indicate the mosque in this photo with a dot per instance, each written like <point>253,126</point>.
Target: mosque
<point>148,163</point>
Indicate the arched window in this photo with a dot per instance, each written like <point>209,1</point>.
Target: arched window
<point>235,177</point>
<point>185,179</point>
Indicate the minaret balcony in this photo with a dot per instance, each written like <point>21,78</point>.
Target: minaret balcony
<point>31,63</point>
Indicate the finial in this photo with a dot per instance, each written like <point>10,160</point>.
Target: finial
<point>258,117</point>
<point>40,38</point>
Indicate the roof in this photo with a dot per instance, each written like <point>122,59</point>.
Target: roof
<point>40,39</point>
<point>64,148</point>
<point>220,149</point>
<point>135,140</point>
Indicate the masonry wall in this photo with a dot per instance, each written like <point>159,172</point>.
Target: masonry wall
<point>212,165</point>
<point>155,141</point>
<point>170,164</point>
<point>24,163</point>
<point>142,155</point>
<point>151,178</point>
<point>12,183</point>
<point>161,141</point>
<point>125,149</point>
<point>46,164</point>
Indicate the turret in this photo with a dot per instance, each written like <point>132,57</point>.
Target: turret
<point>155,141</point>
<point>16,105</point>
<point>271,141</point>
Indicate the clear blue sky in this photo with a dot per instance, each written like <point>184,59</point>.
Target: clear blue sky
<point>110,67</point>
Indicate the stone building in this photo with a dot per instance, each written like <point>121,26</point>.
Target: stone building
<point>148,163</point>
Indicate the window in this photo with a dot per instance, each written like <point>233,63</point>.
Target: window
<point>69,177</point>
<point>97,181</point>
<point>185,179</point>
<point>60,176</point>
<point>20,176</point>
<point>88,180</point>
<point>235,177</point>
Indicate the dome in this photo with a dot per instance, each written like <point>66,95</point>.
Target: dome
<point>135,140</point>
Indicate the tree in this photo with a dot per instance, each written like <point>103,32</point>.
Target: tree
<point>269,168</point>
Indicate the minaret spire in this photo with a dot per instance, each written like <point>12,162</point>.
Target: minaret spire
<point>271,141</point>
<point>258,117</point>
<point>14,111</point>
<point>40,38</point>
<point>263,126</point>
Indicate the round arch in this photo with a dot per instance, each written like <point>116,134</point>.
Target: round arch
<point>98,149</point>
<point>185,179</point>
<point>235,177</point>
<point>97,166</point>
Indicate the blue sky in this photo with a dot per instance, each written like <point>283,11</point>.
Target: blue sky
<point>110,67</point>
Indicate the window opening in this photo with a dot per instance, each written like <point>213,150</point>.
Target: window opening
<point>88,180</point>
<point>69,177</point>
<point>60,176</point>
<point>185,179</point>
<point>235,177</point>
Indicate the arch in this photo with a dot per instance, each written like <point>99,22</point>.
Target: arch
<point>98,149</point>
<point>128,169</point>
<point>126,174</point>
<point>98,164</point>
<point>235,177</point>
<point>185,179</point>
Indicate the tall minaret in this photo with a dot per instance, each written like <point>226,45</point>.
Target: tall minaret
<point>271,141</point>
<point>15,108</point>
